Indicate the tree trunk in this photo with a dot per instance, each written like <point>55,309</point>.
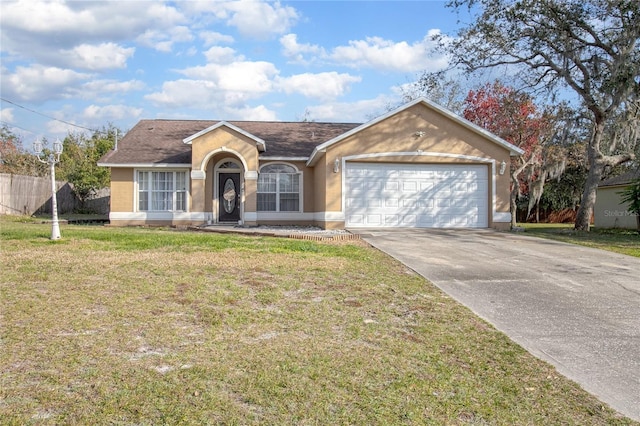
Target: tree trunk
<point>588,200</point>
<point>513,206</point>
<point>515,190</point>
<point>597,163</point>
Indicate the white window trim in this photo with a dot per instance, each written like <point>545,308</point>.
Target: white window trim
<point>300,187</point>
<point>136,189</point>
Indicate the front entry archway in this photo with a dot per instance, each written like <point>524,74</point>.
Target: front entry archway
<point>228,192</point>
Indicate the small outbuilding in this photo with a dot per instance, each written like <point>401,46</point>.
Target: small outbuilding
<point>609,210</point>
<point>417,166</point>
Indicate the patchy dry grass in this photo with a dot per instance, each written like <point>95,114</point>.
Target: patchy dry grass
<point>140,326</point>
<point>625,241</point>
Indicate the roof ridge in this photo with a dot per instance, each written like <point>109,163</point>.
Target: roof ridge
<point>249,121</point>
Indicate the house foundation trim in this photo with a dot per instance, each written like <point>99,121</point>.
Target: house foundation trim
<point>502,217</point>
<point>159,216</point>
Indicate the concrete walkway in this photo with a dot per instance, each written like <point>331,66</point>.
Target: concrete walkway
<point>574,307</point>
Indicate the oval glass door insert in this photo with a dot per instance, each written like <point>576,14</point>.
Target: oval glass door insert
<point>229,195</point>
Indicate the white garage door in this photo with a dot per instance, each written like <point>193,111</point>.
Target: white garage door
<point>416,195</point>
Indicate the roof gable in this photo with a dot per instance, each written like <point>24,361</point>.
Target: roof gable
<point>514,150</point>
<point>260,143</point>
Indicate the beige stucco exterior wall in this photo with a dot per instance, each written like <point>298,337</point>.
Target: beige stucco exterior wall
<point>122,190</point>
<point>223,139</point>
<point>609,212</point>
<point>320,172</point>
<point>397,134</point>
<point>211,147</point>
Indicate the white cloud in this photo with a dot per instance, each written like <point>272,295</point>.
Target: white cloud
<point>39,83</point>
<point>372,52</point>
<point>324,86</point>
<point>185,93</point>
<point>375,52</point>
<point>101,114</point>
<point>98,57</point>
<point>29,26</point>
<point>250,78</point>
<point>296,52</point>
<point>259,113</point>
<point>203,95</point>
<point>357,112</point>
<point>59,129</point>
<point>6,115</point>
<point>211,37</point>
<point>192,51</point>
<point>222,55</point>
<point>261,19</point>
<point>95,87</point>
<point>163,40</point>
<point>252,18</point>
<point>44,16</point>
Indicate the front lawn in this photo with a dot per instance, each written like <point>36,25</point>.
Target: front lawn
<point>623,241</point>
<point>157,326</point>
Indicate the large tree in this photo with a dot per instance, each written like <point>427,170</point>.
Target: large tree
<point>589,47</point>
<point>514,117</point>
<point>446,91</point>
<point>78,162</point>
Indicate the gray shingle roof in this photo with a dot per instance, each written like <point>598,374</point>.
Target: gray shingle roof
<point>161,141</point>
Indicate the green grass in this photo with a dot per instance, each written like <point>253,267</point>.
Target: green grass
<point>623,241</point>
<point>157,326</point>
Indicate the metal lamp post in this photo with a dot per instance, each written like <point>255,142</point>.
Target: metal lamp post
<point>52,159</point>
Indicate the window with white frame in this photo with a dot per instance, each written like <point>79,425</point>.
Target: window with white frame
<point>162,191</point>
<point>278,188</point>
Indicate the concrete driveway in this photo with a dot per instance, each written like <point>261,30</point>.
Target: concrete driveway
<point>574,307</point>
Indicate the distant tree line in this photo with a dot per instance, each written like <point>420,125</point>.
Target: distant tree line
<point>78,162</point>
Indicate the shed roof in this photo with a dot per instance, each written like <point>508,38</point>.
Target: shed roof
<point>623,179</point>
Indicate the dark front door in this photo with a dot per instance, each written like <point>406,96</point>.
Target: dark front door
<point>228,197</point>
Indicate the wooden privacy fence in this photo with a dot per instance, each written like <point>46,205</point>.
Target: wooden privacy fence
<point>30,195</point>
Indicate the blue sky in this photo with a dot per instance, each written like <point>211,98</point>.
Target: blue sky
<point>91,63</point>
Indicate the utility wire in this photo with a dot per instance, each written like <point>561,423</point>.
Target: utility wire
<point>15,125</point>
<point>47,116</point>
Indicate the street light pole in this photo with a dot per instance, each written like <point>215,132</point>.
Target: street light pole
<point>52,159</point>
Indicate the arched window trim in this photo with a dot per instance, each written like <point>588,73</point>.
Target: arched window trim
<point>279,190</point>
<point>229,165</point>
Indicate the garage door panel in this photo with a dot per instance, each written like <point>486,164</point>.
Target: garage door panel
<point>392,186</point>
<point>411,203</point>
<point>425,220</point>
<point>409,220</point>
<point>374,219</point>
<point>428,195</point>
<point>410,186</point>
